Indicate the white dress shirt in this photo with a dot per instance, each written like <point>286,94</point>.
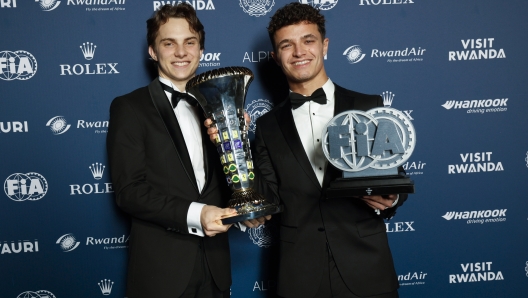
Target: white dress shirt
<point>310,119</point>
<point>189,121</point>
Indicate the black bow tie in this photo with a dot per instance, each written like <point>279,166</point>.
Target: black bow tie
<point>298,100</point>
<point>177,96</point>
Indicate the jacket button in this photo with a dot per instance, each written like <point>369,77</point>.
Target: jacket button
<point>320,229</point>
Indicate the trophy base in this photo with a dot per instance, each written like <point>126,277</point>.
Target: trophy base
<point>369,186</point>
<point>268,210</point>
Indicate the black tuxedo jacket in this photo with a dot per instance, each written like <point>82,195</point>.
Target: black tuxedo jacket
<point>310,222</point>
<point>154,183</point>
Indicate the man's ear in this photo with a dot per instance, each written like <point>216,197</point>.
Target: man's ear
<point>326,41</point>
<point>152,53</point>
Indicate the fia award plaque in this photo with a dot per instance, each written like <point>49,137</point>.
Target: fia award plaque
<point>368,146</point>
<point>221,94</point>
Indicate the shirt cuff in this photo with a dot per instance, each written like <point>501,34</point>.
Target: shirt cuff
<point>193,219</point>
<point>242,227</point>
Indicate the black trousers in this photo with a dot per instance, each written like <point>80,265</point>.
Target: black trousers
<point>202,284</point>
<point>333,286</point>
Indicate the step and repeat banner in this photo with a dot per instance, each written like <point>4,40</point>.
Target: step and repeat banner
<point>457,69</point>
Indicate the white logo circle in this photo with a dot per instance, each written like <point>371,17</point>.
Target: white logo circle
<point>257,8</point>
<point>354,54</point>
<point>58,125</point>
<point>260,236</point>
<point>48,5</point>
<point>17,65</point>
<point>256,109</point>
<point>21,187</point>
<point>67,242</point>
<point>37,294</point>
<point>326,5</point>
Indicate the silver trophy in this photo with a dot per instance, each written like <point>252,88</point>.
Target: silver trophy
<point>221,94</point>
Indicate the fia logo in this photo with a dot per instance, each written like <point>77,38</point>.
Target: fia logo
<point>25,187</point>
<point>257,8</point>
<point>37,294</point>
<point>354,54</point>
<point>380,138</point>
<point>58,125</point>
<point>320,4</point>
<point>106,286</point>
<point>48,5</point>
<point>17,65</point>
<point>67,242</point>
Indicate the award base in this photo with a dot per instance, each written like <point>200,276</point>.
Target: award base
<point>370,186</point>
<point>267,210</point>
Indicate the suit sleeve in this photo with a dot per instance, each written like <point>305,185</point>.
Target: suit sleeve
<point>128,166</point>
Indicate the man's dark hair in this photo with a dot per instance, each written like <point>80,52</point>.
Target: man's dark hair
<point>167,11</point>
<point>295,13</point>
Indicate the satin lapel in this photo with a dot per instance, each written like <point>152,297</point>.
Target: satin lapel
<point>287,125</point>
<point>159,99</point>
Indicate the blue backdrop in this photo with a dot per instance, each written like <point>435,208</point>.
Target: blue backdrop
<point>458,69</point>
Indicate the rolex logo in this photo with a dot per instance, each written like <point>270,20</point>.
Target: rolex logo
<point>369,191</point>
<point>88,50</point>
<point>97,170</point>
<point>388,97</point>
<point>106,286</point>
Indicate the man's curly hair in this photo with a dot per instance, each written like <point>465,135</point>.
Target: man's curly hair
<point>295,13</point>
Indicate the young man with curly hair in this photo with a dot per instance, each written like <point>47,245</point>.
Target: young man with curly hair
<point>334,247</point>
